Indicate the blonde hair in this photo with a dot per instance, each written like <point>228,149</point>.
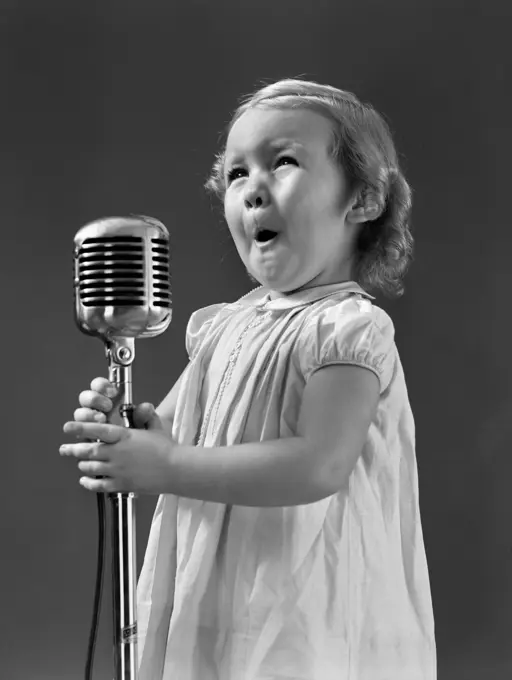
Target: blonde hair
<point>364,148</point>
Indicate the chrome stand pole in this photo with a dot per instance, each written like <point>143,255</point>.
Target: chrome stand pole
<point>120,355</point>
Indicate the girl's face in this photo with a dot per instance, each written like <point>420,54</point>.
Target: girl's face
<point>280,177</point>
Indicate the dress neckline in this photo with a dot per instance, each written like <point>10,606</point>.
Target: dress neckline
<point>260,298</point>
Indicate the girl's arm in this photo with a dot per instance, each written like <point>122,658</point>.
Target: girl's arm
<point>338,406</point>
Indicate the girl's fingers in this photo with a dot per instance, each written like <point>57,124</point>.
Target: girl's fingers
<point>105,432</point>
<point>142,414</point>
<point>95,468</point>
<point>105,485</point>
<point>86,415</point>
<point>104,387</point>
<point>94,400</point>
<point>84,451</point>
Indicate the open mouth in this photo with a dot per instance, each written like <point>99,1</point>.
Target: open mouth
<point>265,235</point>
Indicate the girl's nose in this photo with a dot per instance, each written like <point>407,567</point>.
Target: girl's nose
<point>256,196</point>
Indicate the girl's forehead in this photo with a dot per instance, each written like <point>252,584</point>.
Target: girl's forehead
<point>260,127</point>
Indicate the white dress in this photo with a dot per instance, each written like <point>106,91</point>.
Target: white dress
<point>332,590</point>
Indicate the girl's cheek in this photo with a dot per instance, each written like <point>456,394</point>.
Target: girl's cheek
<point>292,189</point>
<point>229,212</point>
<point>231,205</point>
<point>234,221</point>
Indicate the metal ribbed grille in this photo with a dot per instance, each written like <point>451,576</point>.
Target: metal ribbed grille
<point>111,272</point>
<point>161,273</point>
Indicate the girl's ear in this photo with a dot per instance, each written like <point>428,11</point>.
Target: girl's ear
<point>364,209</point>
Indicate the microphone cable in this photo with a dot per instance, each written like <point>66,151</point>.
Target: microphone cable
<point>98,589</point>
<point>100,565</point>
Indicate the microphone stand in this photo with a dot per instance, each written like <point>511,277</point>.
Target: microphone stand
<point>120,354</point>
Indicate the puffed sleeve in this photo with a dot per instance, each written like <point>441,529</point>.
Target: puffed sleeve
<point>198,326</point>
<point>353,332</point>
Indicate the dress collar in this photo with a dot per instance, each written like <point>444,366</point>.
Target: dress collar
<point>259,298</point>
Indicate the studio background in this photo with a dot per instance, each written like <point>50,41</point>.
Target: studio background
<point>111,108</point>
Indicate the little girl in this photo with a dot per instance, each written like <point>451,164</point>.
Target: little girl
<point>286,541</point>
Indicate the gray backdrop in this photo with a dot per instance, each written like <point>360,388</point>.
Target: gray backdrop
<point>114,107</point>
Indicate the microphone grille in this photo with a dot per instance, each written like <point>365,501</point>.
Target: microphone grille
<point>122,277</point>
<point>161,273</point>
<point>112,271</point>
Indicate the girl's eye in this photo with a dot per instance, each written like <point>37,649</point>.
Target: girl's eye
<point>286,160</point>
<point>236,173</point>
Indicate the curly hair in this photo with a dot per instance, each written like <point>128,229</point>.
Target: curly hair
<point>363,146</point>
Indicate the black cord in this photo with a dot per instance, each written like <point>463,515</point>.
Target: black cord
<point>99,585</point>
<point>100,568</point>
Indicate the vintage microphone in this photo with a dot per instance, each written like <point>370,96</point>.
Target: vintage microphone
<point>123,292</point>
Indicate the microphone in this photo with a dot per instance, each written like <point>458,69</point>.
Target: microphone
<point>122,278</point>
<point>122,291</point>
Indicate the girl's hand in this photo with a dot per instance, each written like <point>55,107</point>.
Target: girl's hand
<point>97,403</point>
<point>126,459</point>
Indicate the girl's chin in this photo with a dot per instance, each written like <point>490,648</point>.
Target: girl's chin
<point>275,284</point>
<point>277,274</point>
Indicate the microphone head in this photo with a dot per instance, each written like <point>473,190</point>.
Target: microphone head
<point>122,278</point>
